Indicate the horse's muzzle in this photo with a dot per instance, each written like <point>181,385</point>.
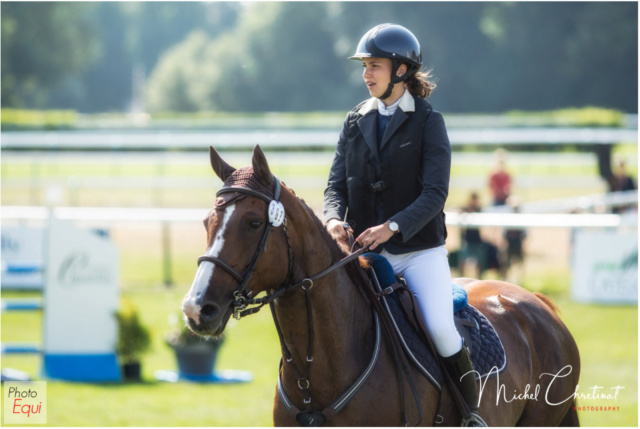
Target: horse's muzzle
<point>206,319</point>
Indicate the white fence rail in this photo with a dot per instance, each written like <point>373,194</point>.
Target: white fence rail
<point>114,214</point>
<point>573,204</point>
<point>269,139</point>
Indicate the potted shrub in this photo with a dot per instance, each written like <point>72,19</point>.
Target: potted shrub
<point>195,355</point>
<point>133,341</point>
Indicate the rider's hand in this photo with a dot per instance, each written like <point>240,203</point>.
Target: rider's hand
<point>337,230</point>
<point>375,236</point>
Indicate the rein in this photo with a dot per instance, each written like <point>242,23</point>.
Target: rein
<point>242,303</point>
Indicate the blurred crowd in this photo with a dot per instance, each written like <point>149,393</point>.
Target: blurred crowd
<point>506,255</point>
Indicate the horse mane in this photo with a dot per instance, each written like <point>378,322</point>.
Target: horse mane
<point>336,252</point>
<point>355,270</point>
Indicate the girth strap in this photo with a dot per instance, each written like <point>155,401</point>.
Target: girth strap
<point>344,399</point>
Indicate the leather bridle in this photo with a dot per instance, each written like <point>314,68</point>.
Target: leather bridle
<point>242,298</point>
<point>242,301</point>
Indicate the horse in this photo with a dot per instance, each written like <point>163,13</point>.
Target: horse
<point>337,367</point>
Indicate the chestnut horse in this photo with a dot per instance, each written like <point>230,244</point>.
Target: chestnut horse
<point>336,365</point>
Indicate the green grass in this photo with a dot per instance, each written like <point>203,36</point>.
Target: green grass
<point>606,336</point>
<point>251,345</point>
<point>36,119</point>
<point>52,119</point>
<point>100,169</point>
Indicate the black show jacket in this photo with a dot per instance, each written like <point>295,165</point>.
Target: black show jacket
<point>407,180</point>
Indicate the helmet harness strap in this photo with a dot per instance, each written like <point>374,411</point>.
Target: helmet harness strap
<point>395,65</point>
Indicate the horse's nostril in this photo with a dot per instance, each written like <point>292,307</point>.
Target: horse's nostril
<point>209,311</point>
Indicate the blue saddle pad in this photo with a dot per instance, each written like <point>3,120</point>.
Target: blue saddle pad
<point>487,351</point>
<point>386,277</point>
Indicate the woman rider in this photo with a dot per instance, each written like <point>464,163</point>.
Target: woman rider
<point>390,174</point>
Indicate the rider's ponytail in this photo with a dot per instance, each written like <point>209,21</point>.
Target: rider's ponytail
<point>420,84</point>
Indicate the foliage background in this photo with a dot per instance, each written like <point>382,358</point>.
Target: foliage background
<point>291,56</point>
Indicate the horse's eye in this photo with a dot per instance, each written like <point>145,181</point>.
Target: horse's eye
<point>255,224</point>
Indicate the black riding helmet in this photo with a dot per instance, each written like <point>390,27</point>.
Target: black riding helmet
<point>394,42</point>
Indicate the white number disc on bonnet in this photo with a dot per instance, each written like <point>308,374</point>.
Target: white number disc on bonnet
<point>276,213</point>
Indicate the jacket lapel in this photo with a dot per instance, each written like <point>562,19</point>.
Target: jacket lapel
<point>396,122</point>
<point>407,104</point>
<point>368,125</point>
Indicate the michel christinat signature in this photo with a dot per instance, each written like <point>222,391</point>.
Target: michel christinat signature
<point>533,392</point>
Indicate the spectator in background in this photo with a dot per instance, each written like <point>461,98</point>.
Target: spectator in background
<point>620,182</point>
<point>471,235</point>
<point>474,250</point>
<point>500,180</point>
<point>623,182</point>
<point>514,254</point>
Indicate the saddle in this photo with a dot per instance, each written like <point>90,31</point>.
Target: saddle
<point>487,351</point>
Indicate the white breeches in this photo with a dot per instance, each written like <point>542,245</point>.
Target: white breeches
<point>429,278</point>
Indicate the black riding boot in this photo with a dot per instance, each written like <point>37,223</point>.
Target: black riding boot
<point>459,366</point>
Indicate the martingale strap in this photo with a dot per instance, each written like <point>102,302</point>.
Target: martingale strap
<point>243,300</point>
<point>344,399</point>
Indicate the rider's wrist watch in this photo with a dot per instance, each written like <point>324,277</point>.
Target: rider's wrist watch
<point>393,226</point>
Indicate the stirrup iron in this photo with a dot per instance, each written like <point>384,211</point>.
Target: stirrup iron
<point>473,420</point>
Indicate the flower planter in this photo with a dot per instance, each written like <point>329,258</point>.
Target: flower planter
<point>132,371</point>
<point>196,359</point>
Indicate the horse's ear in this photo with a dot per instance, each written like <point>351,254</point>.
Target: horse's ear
<point>260,166</point>
<point>222,169</point>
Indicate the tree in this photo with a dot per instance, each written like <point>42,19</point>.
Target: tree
<point>610,56</point>
<point>272,60</point>
<point>549,55</point>
<point>40,48</point>
<point>292,56</point>
<point>179,82</point>
<point>132,36</point>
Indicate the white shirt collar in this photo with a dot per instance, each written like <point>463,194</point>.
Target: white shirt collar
<point>390,110</point>
<point>407,104</point>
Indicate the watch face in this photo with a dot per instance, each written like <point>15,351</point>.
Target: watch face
<point>393,226</point>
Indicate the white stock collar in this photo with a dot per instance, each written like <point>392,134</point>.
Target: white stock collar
<point>407,104</point>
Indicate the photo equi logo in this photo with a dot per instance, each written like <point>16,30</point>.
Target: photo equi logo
<point>25,402</point>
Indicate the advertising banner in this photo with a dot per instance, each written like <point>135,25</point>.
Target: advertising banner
<point>80,301</point>
<point>22,257</point>
<point>605,267</point>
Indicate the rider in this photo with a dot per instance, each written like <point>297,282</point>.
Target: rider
<point>390,174</point>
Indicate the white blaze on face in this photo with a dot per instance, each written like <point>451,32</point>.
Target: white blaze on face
<point>190,305</point>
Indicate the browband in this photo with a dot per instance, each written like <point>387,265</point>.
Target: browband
<point>276,191</point>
